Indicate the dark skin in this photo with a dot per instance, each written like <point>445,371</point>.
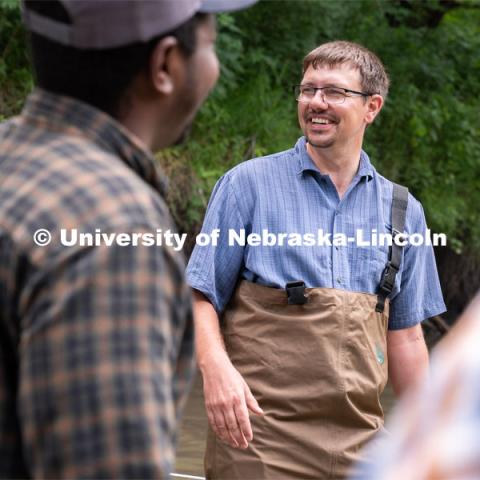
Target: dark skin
<point>163,100</point>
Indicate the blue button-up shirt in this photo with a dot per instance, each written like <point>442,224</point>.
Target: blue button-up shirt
<point>286,193</point>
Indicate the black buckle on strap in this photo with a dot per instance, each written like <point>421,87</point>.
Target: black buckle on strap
<point>296,293</point>
<point>387,282</point>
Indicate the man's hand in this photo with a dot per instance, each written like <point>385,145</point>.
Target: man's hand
<point>227,396</point>
<point>228,400</point>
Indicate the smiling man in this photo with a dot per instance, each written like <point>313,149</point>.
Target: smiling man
<point>305,337</point>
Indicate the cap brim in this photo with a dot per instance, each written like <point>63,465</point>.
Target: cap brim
<point>219,6</point>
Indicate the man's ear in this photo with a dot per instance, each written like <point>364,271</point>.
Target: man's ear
<point>374,105</point>
<point>162,68</point>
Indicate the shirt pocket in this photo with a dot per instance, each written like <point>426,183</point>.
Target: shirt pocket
<point>378,250</point>
<point>377,253</point>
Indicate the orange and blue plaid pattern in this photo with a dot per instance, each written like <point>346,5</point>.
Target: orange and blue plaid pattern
<point>97,342</point>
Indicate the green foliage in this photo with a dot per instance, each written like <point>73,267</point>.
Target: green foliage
<point>427,136</point>
<point>15,76</point>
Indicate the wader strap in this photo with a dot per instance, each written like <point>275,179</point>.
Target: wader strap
<point>296,293</point>
<point>399,212</point>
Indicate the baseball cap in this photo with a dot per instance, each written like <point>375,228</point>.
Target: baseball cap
<point>103,24</point>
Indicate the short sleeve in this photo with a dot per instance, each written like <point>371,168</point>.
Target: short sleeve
<point>214,269</point>
<point>420,296</point>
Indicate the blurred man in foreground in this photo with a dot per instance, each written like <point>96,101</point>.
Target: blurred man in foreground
<point>96,338</point>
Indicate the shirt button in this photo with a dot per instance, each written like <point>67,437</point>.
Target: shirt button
<point>339,280</point>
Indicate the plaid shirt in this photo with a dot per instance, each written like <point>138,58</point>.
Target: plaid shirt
<point>96,342</point>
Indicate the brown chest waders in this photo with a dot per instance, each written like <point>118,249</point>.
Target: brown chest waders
<point>316,361</point>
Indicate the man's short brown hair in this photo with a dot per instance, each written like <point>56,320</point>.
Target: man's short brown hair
<point>373,76</point>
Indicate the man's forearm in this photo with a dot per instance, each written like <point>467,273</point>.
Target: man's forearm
<point>208,340</point>
<point>227,396</point>
<point>407,358</point>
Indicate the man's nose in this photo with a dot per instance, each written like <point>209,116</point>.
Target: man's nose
<point>318,100</point>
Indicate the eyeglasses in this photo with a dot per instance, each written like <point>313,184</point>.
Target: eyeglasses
<point>330,95</point>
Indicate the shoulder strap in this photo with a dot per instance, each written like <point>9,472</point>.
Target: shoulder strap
<point>399,212</point>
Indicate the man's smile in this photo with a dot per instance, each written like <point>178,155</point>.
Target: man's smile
<point>320,122</point>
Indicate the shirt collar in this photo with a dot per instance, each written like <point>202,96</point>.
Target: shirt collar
<point>306,164</point>
<point>74,117</point>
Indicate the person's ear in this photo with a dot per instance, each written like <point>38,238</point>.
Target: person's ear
<point>374,105</point>
<point>162,68</point>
